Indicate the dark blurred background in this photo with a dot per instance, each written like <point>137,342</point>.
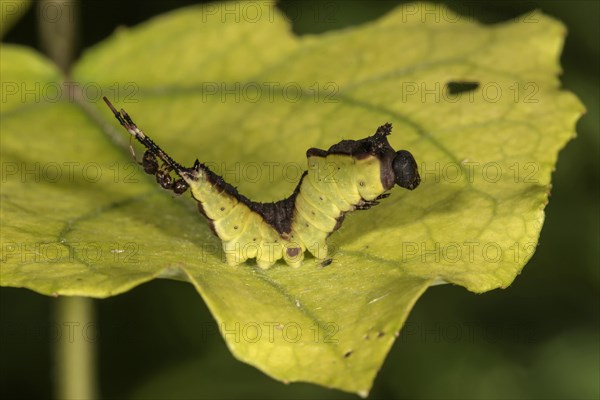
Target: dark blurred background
<point>539,338</point>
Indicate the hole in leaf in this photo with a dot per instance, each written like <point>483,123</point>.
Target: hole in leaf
<point>457,87</point>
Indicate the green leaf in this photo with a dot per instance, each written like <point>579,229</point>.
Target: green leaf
<point>245,95</point>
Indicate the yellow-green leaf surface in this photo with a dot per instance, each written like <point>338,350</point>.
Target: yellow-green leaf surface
<point>239,91</point>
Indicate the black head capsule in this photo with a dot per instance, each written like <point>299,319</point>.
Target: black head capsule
<point>149,163</point>
<point>405,170</point>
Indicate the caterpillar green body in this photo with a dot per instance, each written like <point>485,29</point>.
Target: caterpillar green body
<point>350,175</point>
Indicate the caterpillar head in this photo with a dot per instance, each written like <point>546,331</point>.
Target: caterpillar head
<point>398,167</point>
<point>405,170</point>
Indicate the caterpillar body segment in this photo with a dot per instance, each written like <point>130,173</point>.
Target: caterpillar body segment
<point>351,175</point>
<point>245,234</point>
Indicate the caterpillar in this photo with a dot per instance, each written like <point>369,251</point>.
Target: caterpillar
<point>351,175</point>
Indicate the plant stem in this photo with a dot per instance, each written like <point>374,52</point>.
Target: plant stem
<point>57,26</point>
<point>74,352</point>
